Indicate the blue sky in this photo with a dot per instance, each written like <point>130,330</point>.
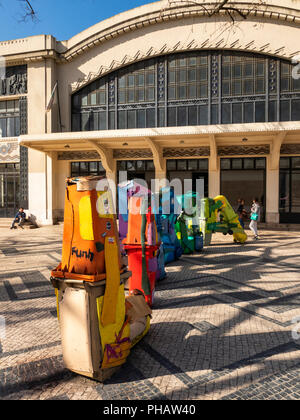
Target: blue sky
<point>60,18</point>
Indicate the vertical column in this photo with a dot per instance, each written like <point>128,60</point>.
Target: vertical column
<point>214,169</point>
<point>160,176</point>
<point>272,193</point>
<point>40,166</point>
<point>272,181</point>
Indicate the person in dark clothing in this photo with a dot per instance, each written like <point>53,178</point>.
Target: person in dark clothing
<point>19,218</point>
<point>241,212</point>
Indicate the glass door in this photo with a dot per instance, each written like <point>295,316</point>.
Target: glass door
<point>9,190</point>
<point>289,190</point>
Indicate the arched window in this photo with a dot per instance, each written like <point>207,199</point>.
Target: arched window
<point>191,88</point>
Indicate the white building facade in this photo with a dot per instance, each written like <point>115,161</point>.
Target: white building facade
<point>162,91</point>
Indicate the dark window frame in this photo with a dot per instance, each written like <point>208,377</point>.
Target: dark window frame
<point>171,74</point>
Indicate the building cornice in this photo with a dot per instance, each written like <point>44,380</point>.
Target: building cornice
<point>185,10</point>
<point>145,16</point>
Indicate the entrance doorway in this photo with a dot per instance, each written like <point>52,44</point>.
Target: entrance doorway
<point>9,189</point>
<point>189,169</point>
<point>289,190</point>
<point>137,169</point>
<point>244,178</point>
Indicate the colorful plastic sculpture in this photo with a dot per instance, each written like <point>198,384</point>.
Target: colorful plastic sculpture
<point>141,245</point>
<point>187,225</point>
<point>126,191</point>
<point>97,332</point>
<point>166,226</point>
<point>217,215</point>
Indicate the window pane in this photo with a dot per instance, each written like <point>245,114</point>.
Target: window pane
<point>203,164</point>
<point>296,162</point>
<point>171,165</point>
<point>122,82</point>
<point>214,114</point>
<point>284,188</point>
<point>237,163</point>
<point>226,113</point>
<point>172,76</point>
<point>237,113</point>
<point>192,91</point>
<point>248,112</point>
<point>84,168</point>
<point>192,75</point>
<point>182,75</point>
<point>93,99</point>
<point>130,95</point>
<point>140,165</point>
<point>121,119</point>
<point>85,122</point>
<point>111,118</point>
<point>182,92</point>
<point>141,80</point>
<point>193,165</point>
<point>150,79</point>
<point>284,163</point>
<point>249,163</point>
<point>17,126</point>
<point>141,118</point>
<point>10,127</point>
<point>2,107</point>
<point>226,88</point>
<point>182,165</point>
<point>260,112</point>
<point>131,119</point>
<point>131,166</point>
<point>172,93</point>
<point>150,165</point>
<point>150,113</point>
<point>150,94</point>
<point>75,169</point>
<point>248,69</point>
<point>225,163</point>
<point>192,115</point>
<point>102,121</point>
<point>203,109</point>
<point>171,117</point>
<point>296,110</point>
<point>182,116</point>
<point>161,117</point>
<point>248,87</point>
<point>260,163</point>
<point>94,121</point>
<point>284,111</point>
<point>94,167</point>
<point>272,111</point>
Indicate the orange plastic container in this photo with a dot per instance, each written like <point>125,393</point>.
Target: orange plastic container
<point>134,253</point>
<point>86,227</point>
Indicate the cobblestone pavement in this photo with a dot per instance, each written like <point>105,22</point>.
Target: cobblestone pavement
<point>221,326</point>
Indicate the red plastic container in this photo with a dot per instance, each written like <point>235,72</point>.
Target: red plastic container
<point>134,253</point>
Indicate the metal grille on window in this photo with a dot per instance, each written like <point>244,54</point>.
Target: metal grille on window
<point>191,88</point>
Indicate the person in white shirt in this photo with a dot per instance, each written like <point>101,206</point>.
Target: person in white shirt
<point>255,217</point>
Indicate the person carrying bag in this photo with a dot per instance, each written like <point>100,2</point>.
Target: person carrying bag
<point>255,216</point>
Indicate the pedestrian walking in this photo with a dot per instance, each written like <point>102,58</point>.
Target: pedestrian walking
<point>255,217</point>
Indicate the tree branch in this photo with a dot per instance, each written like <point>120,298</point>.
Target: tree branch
<point>29,12</point>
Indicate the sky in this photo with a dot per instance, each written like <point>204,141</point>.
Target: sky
<point>60,18</point>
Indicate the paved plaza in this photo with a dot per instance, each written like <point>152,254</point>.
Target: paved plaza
<point>221,328</point>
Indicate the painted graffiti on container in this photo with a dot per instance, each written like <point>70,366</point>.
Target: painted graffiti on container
<point>83,254</point>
